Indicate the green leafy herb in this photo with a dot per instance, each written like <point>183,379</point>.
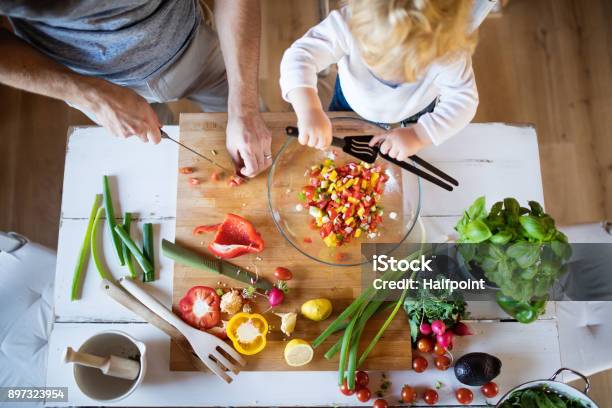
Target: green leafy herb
<point>517,248</point>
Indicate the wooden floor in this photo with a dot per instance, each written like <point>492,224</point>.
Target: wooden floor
<point>545,62</point>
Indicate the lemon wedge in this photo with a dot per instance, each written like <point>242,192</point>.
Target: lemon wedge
<point>298,353</point>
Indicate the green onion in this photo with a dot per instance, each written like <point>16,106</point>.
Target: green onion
<point>127,257</point>
<point>382,329</point>
<point>77,278</point>
<point>140,258</point>
<point>147,250</point>
<point>352,358</point>
<point>94,247</point>
<point>346,340</point>
<point>110,217</point>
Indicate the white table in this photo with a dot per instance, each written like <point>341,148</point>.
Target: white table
<point>495,160</point>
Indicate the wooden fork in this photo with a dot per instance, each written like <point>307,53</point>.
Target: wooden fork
<point>209,348</point>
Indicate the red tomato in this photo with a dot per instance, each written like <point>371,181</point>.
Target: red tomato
<point>362,379</point>
<point>345,389</point>
<point>425,345</point>
<point>309,193</point>
<point>215,176</point>
<point>464,396</point>
<point>194,181</point>
<point>439,350</point>
<point>283,274</point>
<point>380,403</point>
<point>200,307</point>
<point>409,394</point>
<point>489,390</point>
<point>442,363</point>
<point>364,394</point>
<point>186,170</point>
<point>419,364</point>
<point>430,397</point>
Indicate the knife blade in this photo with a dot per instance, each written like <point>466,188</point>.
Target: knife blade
<point>165,135</point>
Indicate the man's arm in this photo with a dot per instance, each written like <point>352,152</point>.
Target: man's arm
<point>119,109</point>
<point>248,139</point>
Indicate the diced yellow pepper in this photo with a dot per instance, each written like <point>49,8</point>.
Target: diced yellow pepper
<point>353,200</point>
<point>358,233</point>
<point>364,184</point>
<point>331,240</point>
<point>360,211</point>
<point>350,220</point>
<point>333,175</point>
<point>319,221</point>
<point>374,179</point>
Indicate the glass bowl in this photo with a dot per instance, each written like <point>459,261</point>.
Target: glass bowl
<point>400,200</point>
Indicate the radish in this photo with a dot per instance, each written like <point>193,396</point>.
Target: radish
<point>425,328</point>
<point>275,297</point>
<point>438,327</point>
<point>445,339</point>
<point>462,329</point>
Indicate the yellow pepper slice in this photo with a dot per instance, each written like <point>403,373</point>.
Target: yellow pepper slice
<point>247,332</point>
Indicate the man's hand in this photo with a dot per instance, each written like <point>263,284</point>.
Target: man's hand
<point>118,109</point>
<point>122,111</point>
<point>399,143</point>
<point>248,142</point>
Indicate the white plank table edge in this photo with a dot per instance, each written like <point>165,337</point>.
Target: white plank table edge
<point>494,160</point>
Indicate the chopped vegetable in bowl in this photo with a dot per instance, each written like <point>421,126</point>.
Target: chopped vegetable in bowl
<point>344,200</point>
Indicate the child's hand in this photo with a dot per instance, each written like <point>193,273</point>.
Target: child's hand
<point>315,129</point>
<point>399,143</point>
<point>314,126</point>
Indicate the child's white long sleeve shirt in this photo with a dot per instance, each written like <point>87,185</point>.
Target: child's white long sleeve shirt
<point>331,42</point>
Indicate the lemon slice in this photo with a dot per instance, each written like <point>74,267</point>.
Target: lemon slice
<point>298,353</point>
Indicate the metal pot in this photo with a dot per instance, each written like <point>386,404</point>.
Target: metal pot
<point>558,387</point>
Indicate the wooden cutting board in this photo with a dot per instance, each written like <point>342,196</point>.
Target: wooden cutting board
<point>208,202</point>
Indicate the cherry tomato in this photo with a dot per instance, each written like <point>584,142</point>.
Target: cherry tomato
<point>419,364</point>
<point>380,403</point>
<point>439,350</point>
<point>489,390</point>
<point>186,170</point>
<point>409,395</point>
<point>194,181</point>
<point>362,379</point>
<point>425,345</point>
<point>430,397</point>
<point>364,394</point>
<point>283,274</point>
<point>442,363</point>
<point>464,396</point>
<point>345,389</point>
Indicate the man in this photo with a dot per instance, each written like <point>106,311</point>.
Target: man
<point>111,58</point>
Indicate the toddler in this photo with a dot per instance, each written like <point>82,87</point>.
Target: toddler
<point>399,61</point>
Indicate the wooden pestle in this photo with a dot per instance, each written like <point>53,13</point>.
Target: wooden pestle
<point>112,365</point>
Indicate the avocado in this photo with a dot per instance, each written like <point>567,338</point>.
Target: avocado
<point>477,369</point>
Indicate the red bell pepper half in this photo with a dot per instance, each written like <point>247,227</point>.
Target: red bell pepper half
<point>235,236</point>
<point>200,307</point>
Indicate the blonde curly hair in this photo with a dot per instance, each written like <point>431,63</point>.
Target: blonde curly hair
<point>399,39</point>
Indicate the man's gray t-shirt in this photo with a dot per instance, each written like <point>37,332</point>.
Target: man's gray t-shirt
<point>123,41</point>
